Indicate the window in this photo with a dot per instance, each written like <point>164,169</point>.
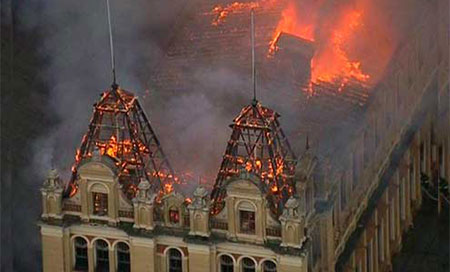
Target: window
<point>174,215</point>
<point>81,255</point>
<point>369,257</point>
<point>392,221</point>
<point>422,158</point>
<point>402,199</point>
<point>100,201</point>
<point>269,266</point>
<point>248,265</point>
<point>412,178</point>
<point>102,256</point>
<point>343,193</point>
<point>123,257</point>
<point>175,264</point>
<point>226,264</point>
<point>247,222</point>
<point>441,161</point>
<point>380,242</point>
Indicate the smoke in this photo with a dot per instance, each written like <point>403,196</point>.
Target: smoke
<point>193,106</point>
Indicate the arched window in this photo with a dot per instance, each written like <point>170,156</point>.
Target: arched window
<point>123,257</point>
<point>248,265</point>
<point>269,266</point>
<point>175,263</point>
<point>226,264</point>
<point>81,254</point>
<point>100,201</point>
<point>174,215</point>
<point>102,256</point>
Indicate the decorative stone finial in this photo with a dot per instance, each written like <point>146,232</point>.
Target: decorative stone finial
<point>143,188</point>
<point>52,179</point>
<point>199,200</point>
<point>200,192</point>
<point>290,208</point>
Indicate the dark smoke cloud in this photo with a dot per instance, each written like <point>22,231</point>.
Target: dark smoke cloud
<point>192,125</point>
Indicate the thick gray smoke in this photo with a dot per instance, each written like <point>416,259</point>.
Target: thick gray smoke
<point>192,125</point>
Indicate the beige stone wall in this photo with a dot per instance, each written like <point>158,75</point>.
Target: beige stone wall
<point>53,253</point>
<point>199,258</point>
<point>143,255</point>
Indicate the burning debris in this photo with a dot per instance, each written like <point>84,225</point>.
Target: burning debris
<point>258,145</point>
<point>120,130</point>
<point>337,38</point>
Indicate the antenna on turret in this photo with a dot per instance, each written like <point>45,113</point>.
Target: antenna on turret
<point>113,65</point>
<point>254,102</point>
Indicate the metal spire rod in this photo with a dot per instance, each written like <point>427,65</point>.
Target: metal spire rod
<point>253,56</point>
<point>113,65</point>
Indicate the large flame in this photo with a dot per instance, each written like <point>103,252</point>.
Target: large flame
<point>331,61</point>
<point>341,38</point>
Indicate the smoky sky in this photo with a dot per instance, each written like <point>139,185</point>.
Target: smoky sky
<point>190,121</point>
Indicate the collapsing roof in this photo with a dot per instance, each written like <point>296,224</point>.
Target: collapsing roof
<point>120,129</point>
<point>258,145</point>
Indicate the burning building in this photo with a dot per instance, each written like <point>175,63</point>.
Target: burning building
<point>369,152</point>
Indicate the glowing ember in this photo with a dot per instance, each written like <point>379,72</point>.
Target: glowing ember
<point>221,13</point>
<point>168,188</point>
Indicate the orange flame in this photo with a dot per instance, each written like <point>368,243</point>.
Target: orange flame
<point>333,61</point>
<point>291,24</point>
<point>168,188</point>
<point>221,13</point>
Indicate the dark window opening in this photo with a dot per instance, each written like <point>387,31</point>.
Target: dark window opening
<point>81,255</point>
<point>175,263</point>
<point>174,216</point>
<point>247,222</point>
<point>269,266</point>
<point>422,157</point>
<point>441,161</point>
<point>102,255</point>
<point>226,264</point>
<point>248,265</point>
<point>123,257</point>
<point>100,201</point>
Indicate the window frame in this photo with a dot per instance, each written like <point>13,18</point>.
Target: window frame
<point>127,264</point>
<point>103,202</point>
<point>171,257</point>
<point>247,269</point>
<point>263,266</point>
<point>105,260</point>
<point>75,266</point>
<point>221,269</point>
<point>247,217</point>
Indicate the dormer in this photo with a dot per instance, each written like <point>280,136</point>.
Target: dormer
<point>173,209</point>
<point>100,191</point>
<point>245,205</point>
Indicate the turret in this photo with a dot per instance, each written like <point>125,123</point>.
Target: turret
<point>52,196</point>
<point>199,213</point>
<point>292,224</point>
<point>143,205</point>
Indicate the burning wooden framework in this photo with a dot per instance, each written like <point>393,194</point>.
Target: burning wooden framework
<point>120,129</point>
<point>259,146</point>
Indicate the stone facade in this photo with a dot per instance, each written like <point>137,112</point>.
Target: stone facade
<point>349,211</point>
<point>160,234</point>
